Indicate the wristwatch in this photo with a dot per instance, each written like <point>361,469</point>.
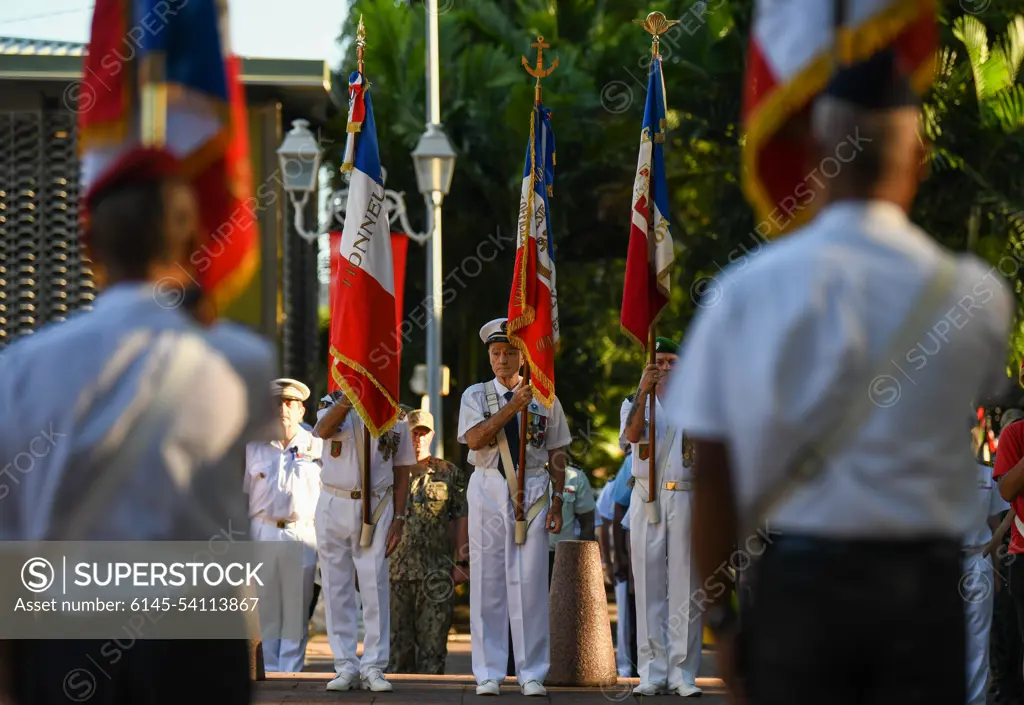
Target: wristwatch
<point>722,619</point>
<point>400,516</point>
<point>462,564</point>
<point>557,495</point>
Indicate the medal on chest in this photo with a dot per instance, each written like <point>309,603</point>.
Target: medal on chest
<point>688,452</point>
<point>536,427</point>
<point>388,444</point>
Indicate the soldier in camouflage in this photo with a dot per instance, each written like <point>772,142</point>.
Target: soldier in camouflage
<point>423,572</point>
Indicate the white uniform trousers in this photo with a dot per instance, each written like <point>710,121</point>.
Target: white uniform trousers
<point>508,584</point>
<point>338,525</point>
<point>285,655</point>
<point>977,589</point>
<point>669,632</point>
<point>622,661</point>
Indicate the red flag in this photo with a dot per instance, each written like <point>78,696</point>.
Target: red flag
<point>399,250</point>
<point>792,50</point>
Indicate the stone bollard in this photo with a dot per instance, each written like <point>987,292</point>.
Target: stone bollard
<point>256,668</point>
<point>581,635</point>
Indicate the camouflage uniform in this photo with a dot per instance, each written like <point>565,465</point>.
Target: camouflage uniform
<point>421,567</point>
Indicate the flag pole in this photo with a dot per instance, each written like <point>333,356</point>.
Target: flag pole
<point>655,24</point>
<point>538,71</point>
<point>366,536</point>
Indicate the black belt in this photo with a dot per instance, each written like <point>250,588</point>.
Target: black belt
<point>821,546</point>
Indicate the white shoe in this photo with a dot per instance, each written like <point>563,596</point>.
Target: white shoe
<point>489,688</point>
<point>344,681</point>
<point>534,688</point>
<point>376,682</point>
<point>688,691</point>
<point>647,689</point>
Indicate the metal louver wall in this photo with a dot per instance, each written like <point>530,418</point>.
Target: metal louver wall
<point>43,277</point>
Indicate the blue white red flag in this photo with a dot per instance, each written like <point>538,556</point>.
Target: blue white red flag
<point>533,304</point>
<point>364,352</point>
<point>793,49</point>
<point>160,73</point>
<point>651,254</point>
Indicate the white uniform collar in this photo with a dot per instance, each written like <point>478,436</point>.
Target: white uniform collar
<point>881,214</point>
<point>301,440</point>
<point>501,388</point>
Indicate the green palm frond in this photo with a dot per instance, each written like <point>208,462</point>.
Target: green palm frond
<point>1012,47</point>
<point>972,33</point>
<point>1008,109</point>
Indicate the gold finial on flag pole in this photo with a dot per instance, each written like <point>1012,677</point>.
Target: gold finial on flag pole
<point>360,42</point>
<point>656,24</point>
<point>539,71</point>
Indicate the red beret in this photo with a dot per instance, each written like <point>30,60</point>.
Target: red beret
<point>137,165</point>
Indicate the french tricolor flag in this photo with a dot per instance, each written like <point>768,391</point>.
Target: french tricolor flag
<point>163,75</point>
<point>794,47</point>
<point>651,254</point>
<point>364,354</point>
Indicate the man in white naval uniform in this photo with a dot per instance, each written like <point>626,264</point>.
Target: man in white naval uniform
<point>979,583</point>
<point>668,632</point>
<point>825,393</point>
<point>78,393</point>
<point>282,479</point>
<point>508,582</point>
<point>339,518</point>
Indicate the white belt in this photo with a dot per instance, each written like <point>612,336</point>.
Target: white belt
<point>494,472</point>
<point>358,494</point>
<point>285,523</point>
<point>351,494</point>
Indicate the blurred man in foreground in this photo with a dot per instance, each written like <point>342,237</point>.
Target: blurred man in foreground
<point>862,506</point>
<point>97,381</point>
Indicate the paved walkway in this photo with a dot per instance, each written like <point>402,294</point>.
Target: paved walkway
<point>457,687</point>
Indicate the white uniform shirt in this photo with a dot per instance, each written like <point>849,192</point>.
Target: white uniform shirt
<point>341,458</point>
<point>670,469</point>
<point>552,429</point>
<point>766,367</point>
<point>65,384</point>
<point>283,483</point>
<point>988,504</point>
<point>577,498</point>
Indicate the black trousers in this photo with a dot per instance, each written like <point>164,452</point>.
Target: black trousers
<point>856,623</point>
<point>127,672</point>
<point>1005,653</point>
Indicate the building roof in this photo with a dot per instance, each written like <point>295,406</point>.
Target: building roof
<point>301,80</point>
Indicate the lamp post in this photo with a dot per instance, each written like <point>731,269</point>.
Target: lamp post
<point>434,159</point>
<point>299,158</point>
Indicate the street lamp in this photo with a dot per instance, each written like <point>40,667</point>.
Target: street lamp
<point>299,158</point>
<point>434,160</point>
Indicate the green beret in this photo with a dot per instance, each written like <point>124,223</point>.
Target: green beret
<point>664,345</point>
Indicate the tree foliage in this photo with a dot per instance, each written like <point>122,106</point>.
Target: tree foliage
<point>975,117</point>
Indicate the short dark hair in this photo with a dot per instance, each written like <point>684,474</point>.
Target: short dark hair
<point>126,228</point>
